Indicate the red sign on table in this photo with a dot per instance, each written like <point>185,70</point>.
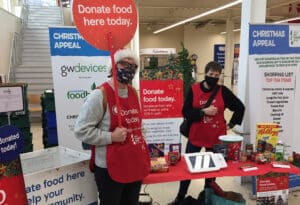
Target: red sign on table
<point>12,187</point>
<point>94,19</point>
<point>161,98</point>
<point>272,188</point>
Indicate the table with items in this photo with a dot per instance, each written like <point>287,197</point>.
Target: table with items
<point>180,172</point>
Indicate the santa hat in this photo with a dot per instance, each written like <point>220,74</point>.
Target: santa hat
<point>126,53</point>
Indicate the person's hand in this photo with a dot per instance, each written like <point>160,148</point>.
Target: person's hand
<point>227,127</point>
<point>119,134</point>
<point>211,110</point>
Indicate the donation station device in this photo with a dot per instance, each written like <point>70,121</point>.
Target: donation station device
<point>204,162</point>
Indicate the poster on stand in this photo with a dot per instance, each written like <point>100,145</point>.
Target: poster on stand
<point>272,188</point>
<point>77,69</point>
<point>274,65</point>
<point>161,103</point>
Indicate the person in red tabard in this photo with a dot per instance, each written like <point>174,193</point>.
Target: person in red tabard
<point>121,156</point>
<point>207,124</point>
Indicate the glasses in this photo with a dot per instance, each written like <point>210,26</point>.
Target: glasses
<point>125,64</point>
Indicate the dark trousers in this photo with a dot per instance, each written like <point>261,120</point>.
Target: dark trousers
<point>115,193</point>
<point>184,185</point>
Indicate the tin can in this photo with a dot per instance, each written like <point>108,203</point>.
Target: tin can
<point>267,156</point>
<point>261,144</point>
<point>244,157</point>
<point>249,150</point>
<point>236,155</point>
<point>259,158</point>
<point>253,156</point>
<point>279,151</point>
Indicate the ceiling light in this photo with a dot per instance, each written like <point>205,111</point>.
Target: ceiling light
<point>286,20</point>
<point>235,30</point>
<point>275,22</point>
<point>199,16</point>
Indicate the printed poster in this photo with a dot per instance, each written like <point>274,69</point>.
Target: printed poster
<point>219,54</point>
<point>161,103</point>
<point>272,188</point>
<point>274,65</point>
<point>77,69</point>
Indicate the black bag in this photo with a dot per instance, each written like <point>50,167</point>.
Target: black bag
<point>184,127</point>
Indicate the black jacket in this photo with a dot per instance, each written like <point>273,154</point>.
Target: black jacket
<point>230,101</point>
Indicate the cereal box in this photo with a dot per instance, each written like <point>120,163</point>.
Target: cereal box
<point>266,137</point>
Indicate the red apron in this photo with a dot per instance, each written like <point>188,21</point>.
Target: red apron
<point>205,133</point>
<point>128,161</point>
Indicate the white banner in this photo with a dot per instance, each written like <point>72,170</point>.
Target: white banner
<point>273,69</point>
<point>161,103</point>
<point>163,130</point>
<point>77,68</point>
<point>58,176</point>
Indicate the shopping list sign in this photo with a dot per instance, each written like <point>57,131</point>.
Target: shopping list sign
<point>274,92</point>
<point>95,19</point>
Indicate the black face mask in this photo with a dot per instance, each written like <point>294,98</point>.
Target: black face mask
<point>211,81</point>
<point>125,75</point>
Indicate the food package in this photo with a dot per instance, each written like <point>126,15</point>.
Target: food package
<point>159,164</point>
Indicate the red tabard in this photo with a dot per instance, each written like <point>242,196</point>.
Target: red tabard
<point>128,161</point>
<point>206,131</point>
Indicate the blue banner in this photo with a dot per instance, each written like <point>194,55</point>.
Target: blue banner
<point>68,42</point>
<point>271,39</point>
<point>11,143</point>
<point>294,180</point>
<point>219,54</point>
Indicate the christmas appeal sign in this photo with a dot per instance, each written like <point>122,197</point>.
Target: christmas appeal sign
<point>95,19</point>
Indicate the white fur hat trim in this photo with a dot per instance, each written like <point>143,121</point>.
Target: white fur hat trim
<point>126,53</point>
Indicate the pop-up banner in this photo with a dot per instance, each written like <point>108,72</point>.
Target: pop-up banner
<point>161,102</point>
<point>77,69</point>
<point>274,64</point>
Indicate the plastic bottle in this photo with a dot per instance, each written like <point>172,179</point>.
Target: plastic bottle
<point>279,151</point>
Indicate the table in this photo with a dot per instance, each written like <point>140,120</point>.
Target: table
<point>180,172</point>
